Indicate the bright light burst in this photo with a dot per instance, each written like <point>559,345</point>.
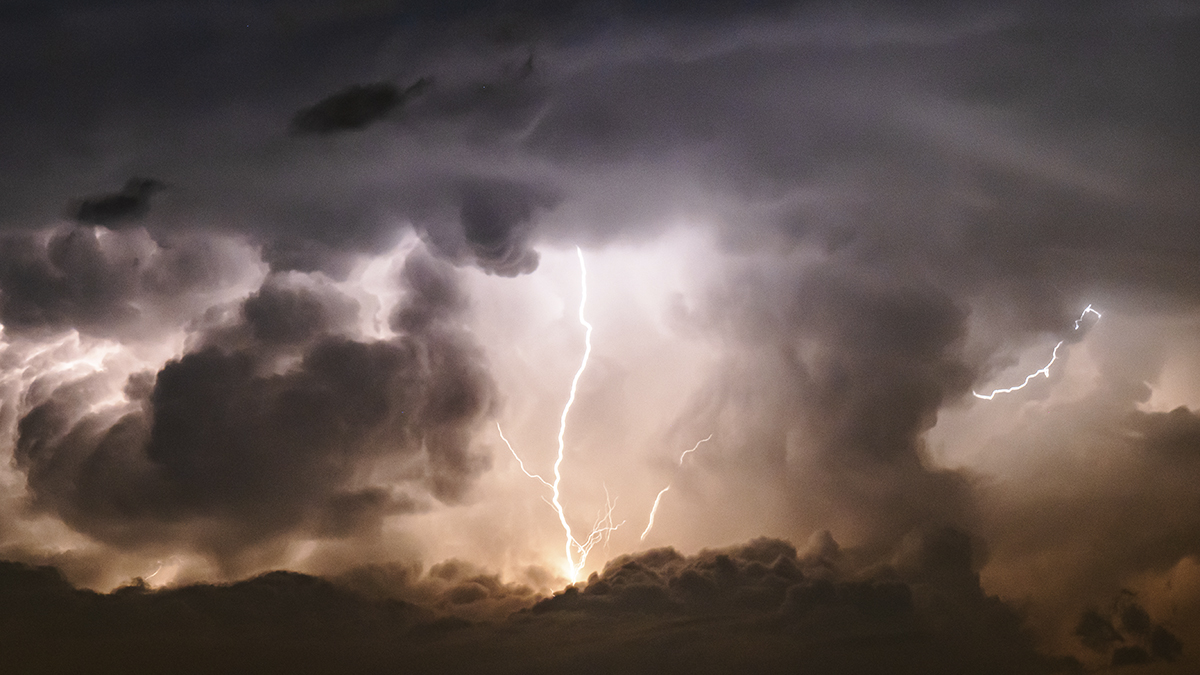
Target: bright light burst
<point>1044,370</point>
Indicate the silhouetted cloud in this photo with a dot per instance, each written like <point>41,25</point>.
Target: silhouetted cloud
<point>131,203</point>
<point>1143,641</point>
<point>355,107</point>
<point>760,606</point>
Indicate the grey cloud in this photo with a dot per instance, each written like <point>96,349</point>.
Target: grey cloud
<point>223,438</point>
<point>307,255</point>
<point>864,366</point>
<point>278,314</point>
<point>496,219</point>
<point>108,283</point>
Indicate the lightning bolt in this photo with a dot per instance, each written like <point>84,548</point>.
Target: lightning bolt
<point>156,571</point>
<point>686,452</point>
<point>1044,370</point>
<point>575,551</point>
<point>1086,310</point>
<point>658,498</point>
<point>518,458</point>
<point>562,425</point>
<point>654,510</point>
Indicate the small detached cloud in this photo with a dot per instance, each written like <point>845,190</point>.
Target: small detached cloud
<point>131,203</point>
<point>355,107</point>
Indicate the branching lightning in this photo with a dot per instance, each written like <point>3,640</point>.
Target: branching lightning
<point>562,425</point>
<point>518,458</point>
<point>1044,370</point>
<point>658,498</point>
<point>576,551</point>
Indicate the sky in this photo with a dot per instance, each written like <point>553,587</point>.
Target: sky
<point>347,310</point>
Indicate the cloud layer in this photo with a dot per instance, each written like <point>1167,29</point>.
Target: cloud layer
<point>268,276</point>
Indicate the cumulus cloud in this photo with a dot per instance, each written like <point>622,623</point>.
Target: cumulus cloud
<point>124,284</point>
<point>240,441</point>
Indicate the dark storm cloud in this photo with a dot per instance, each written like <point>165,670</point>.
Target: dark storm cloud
<point>225,452</point>
<point>965,179</point>
<point>279,314</point>
<point>307,255</point>
<point>240,627</point>
<point>131,203</point>
<point>761,607</point>
<point>1138,509</point>
<point>795,607</point>
<point>868,363</point>
<point>453,588</point>
<point>1142,642</point>
<point>496,218</point>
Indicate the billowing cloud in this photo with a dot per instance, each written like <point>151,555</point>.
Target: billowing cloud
<point>121,284</point>
<point>296,354</point>
<point>760,605</point>
<point>222,450</point>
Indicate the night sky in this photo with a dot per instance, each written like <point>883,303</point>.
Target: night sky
<point>320,322</point>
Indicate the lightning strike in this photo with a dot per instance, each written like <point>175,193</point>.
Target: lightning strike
<point>653,511</point>
<point>156,571</point>
<point>518,458</point>
<point>658,498</point>
<point>562,426</point>
<point>576,551</point>
<point>1044,370</point>
<point>1086,310</point>
<point>686,452</point>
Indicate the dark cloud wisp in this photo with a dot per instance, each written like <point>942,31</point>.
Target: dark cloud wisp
<point>355,107</point>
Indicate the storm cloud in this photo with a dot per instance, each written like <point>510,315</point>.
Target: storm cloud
<point>760,605</point>
<point>812,230</point>
<point>224,451</point>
